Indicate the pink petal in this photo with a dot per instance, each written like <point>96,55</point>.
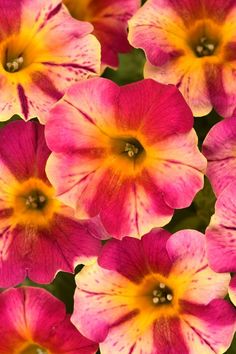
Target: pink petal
<point>134,259</point>
<point>221,233</point>
<point>232,290</point>
<point>179,168</point>
<point>23,150</point>
<point>187,250</point>
<point>208,329</point>
<point>34,314</point>
<point>40,254</point>
<point>189,77</point>
<point>110,24</point>
<point>218,147</point>
<point>96,307</point>
<point>142,102</point>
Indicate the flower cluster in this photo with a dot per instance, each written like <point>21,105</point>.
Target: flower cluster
<point>103,183</point>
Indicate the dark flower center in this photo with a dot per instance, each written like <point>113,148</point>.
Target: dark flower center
<point>14,65</point>
<point>204,38</point>
<point>133,148</point>
<point>34,349</point>
<point>205,47</point>
<point>162,295</point>
<point>128,147</point>
<point>35,200</point>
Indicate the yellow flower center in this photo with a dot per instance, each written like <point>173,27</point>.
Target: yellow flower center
<point>155,297</point>
<point>22,54</point>
<point>33,203</point>
<point>204,38</point>
<point>33,349</point>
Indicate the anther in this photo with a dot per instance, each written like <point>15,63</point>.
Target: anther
<point>155,292</point>
<point>42,199</point>
<point>40,351</point>
<point>35,201</point>
<point>131,149</point>
<point>14,65</point>
<point>155,300</point>
<point>162,294</point>
<point>205,47</point>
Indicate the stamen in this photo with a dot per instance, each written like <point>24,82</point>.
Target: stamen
<point>14,65</point>
<point>155,300</point>
<point>162,294</point>
<point>35,200</point>
<point>40,351</point>
<point>131,149</point>
<point>205,47</point>
<point>34,349</point>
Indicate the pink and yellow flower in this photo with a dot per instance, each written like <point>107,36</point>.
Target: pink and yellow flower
<point>221,233</point>
<point>35,322</point>
<point>43,50</point>
<point>128,154</point>
<point>190,43</point>
<point>219,148</point>
<point>155,294</point>
<point>110,21</point>
<point>39,235</point>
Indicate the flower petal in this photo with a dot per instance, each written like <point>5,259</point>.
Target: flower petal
<point>210,328</point>
<point>23,150</point>
<point>141,102</point>
<point>33,314</point>
<point>134,259</point>
<point>157,29</point>
<point>187,249</point>
<point>80,184</point>
<point>232,290</point>
<point>219,148</point>
<point>40,254</point>
<point>179,168</point>
<point>83,117</point>
<point>189,76</point>
<point>103,287</point>
<point>221,233</point>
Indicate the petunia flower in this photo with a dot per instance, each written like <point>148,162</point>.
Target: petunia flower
<point>219,147</point>
<point>155,295</point>
<point>110,21</point>
<point>128,154</point>
<point>190,44</point>
<point>221,233</point>
<point>39,235</point>
<point>43,50</point>
<point>35,322</point>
